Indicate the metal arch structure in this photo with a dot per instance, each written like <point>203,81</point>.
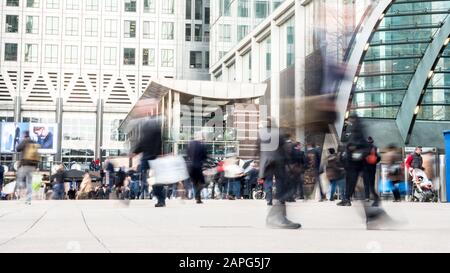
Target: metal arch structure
<point>406,116</point>
<point>415,89</point>
<point>362,38</point>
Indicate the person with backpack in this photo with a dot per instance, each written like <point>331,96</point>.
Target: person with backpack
<point>370,162</point>
<point>335,173</point>
<point>353,158</point>
<point>29,160</point>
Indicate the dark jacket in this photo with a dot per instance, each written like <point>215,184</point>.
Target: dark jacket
<point>417,161</point>
<point>58,177</point>
<point>334,168</point>
<point>2,174</point>
<point>21,148</point>
<point>150,143</point>
<point>313,159</point>
<point>357,146</point>
<point>298,157</point>
<point>120,178</point>
<point>252,176</point>
<point>196,154</point>
<point>272,153</point>
<point>110,168</point>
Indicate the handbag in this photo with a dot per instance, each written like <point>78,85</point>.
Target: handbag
<point>167,170</point>
<point>372,158</point>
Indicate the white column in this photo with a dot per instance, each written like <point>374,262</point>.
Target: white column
<point>176,114</point>
<point>169,114</point>
<point>255,61</point>
<point>300,52</point>
<point>224,73</point>
<point>238,67</point>
<point>275,73</point>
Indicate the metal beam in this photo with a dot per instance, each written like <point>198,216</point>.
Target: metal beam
<point>416,12</point>
<point>363,37</point>
<point>393,73</point>
<point>389,58</point>
<point>401,42</point>
<point>406,117</point>
<point>408,27</point>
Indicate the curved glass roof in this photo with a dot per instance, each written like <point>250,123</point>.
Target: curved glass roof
<point>395,50</point>
<point>435,104</point>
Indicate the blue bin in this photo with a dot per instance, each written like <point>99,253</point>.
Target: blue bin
<point>447,162</point>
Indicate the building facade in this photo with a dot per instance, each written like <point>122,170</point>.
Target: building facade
<point>84,63</point>
<point>232,20</point>
<point>281,51</point>
<point>396,56</point>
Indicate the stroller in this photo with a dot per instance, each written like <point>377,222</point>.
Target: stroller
<point>423,190</point>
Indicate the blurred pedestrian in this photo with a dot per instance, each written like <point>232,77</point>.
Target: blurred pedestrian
<point>92,166</point>
<point>371,159</point>
<point>251,178</point>
<point>395,170</point>
<point>109,175</point>
<point>29,159</point>
<point>313,158</point>
<point>57,182</point>
<point>97,164</point>
<point>149,144</point>
<point>356,148</point>
<point>273,163</point>
<point>298,157</point>
<point>233,174</point>
<point>335,173</point>
<point>196,157</point>
<point>86,190</point>
<point>120,182</point>
<point>2,176</point>
<point>102,175</point>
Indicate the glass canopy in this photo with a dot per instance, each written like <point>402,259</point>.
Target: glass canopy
<point>395,50</point>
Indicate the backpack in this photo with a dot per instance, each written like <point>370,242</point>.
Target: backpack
<point>372,158</point>
<point>32,152</point>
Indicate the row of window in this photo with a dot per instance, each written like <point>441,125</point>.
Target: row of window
<point>261,7</point>
<point>196,59</point>
<point>225,32</point>
<point>90,54</point>
<point>197,33</point>
<point>91,27</point>
<point>167,6</point>
<point>198,9</point>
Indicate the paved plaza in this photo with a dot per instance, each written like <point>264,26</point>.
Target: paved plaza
<point>216,226</point>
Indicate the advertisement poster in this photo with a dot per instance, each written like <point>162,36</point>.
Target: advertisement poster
<point>45,134</point>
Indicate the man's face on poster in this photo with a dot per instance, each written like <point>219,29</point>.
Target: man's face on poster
<point>41,131</point>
